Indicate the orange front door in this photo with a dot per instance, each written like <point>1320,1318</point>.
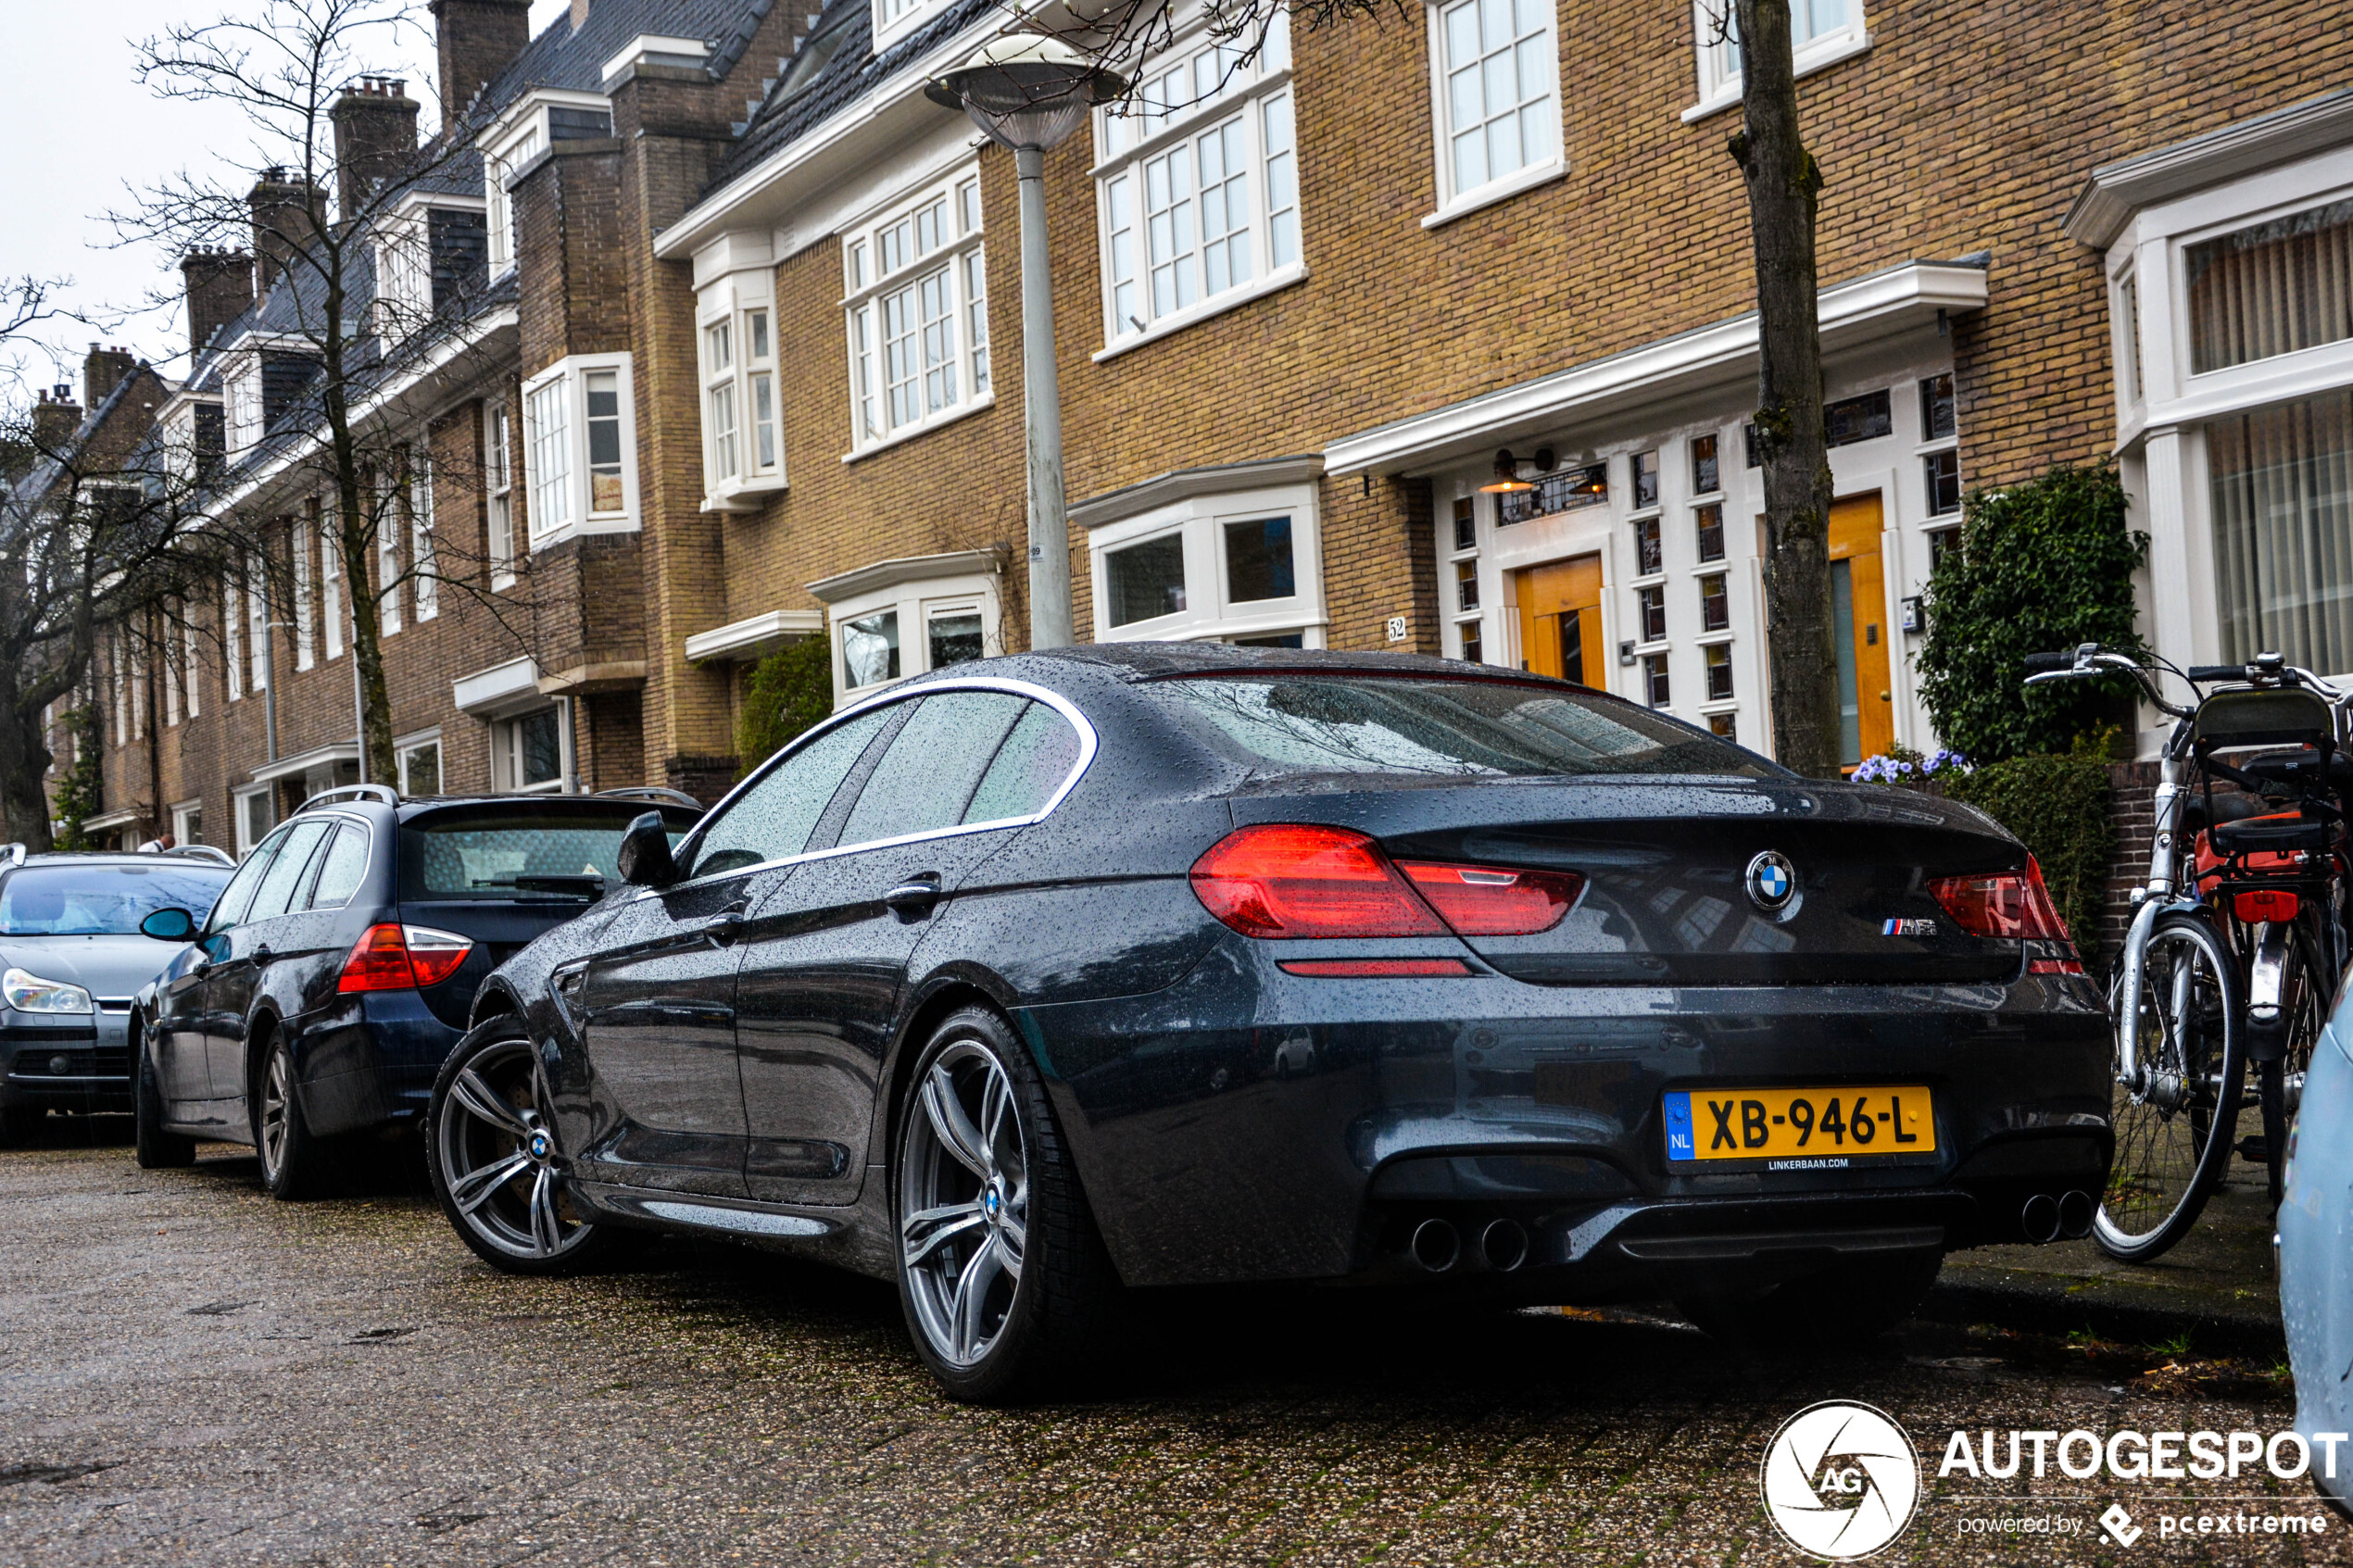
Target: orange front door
<point>1560,620</point>
<point>1859,619</point>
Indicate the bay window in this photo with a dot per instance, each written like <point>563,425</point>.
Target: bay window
<point>743,445</point>
<point>1197,187</point>
<point>1243,567</point>
<point>899,618</point>
<point>917,308</point>
<point>579,448</point>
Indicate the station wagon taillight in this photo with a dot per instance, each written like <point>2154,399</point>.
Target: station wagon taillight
<point>1280,880</point>
<point>2010,904</point>
<point>402,958</point>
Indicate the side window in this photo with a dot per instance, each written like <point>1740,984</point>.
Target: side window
<point>230,908</point>
<point>774,817</point>
<point>927,777</point>
<point>344,864</point>
<point>286,872</point>
<point>1036,756</point>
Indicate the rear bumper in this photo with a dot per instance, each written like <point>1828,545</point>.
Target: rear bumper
<point>1311,1142</point>
<point>80,1066</point>
<point>368,1060</point>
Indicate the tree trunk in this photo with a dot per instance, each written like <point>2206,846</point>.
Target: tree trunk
<point>24,765</point>
<point>1783,184</point>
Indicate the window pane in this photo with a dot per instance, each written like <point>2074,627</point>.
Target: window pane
<point>717,340</point>
<point>1649,560</point>
<point>1715,605</point>
<point>1708,523</point>
<point>955,639</point>
<point>285,872</point>
<point>603,389</point>
<point>1644,468</point>
<point>2272,289</point>
<point>2283,489</point>
<point>870,650</point>
<point>1719,673</point>
<point>1704,480</point>
<point>238,896</point>
<point>930,774</point>
<point>764,419</point>
<point>1936,406</point>
<point>420,771</point>
<point>757,321</point>
<point>1031,764</point>
<point>340,872</point>
<point>1258,561</point>
<point>1943,473</point>
<point>1145,580</point>
<point>1858,418</point>
<point>1282,184</point>
<point>538,753</point>
<point>774,818</point>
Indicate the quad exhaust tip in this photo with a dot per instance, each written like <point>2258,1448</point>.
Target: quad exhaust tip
<point>2040,1218</point>
<point>1436,1247</point>
<point>1504,1244</point>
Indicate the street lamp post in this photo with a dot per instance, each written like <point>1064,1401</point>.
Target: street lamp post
<point>1028,93</point>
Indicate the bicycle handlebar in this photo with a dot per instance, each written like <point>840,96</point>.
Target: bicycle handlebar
<point>2048,661</point>
<point>2216,672</point>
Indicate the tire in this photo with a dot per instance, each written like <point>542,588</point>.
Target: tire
<point>155,1149</point>
<point>1006,1287</point>
<point>2173,1139</point>
<point>19,1125</point>
<point>1841,1307</point>
<point>2280,1085</point>
<point>492,1153</point>
<point>294,1160</point>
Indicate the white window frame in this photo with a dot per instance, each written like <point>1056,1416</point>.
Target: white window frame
<point>387,559</point>
<point>406,746</point>
<point>564,386</point>
<point>257,608</point>
<point>1719,81</point>
<point>505,754</point>
<point>918,603</point>
<point>895,20</point>
<point>959,255</point>
<point>404,272</point>
<point>1208,615</point>
<point>742,305</point>
<point>241,421</point>
<point>298,547</point>
<point>498,490</point>
<point>181,812</point>
<point>248,841</point>
<point>1197,87</point>
<point>425,559</point>
<point>232,646</point>
<point>1454,201</point>
<point>330,584</point>
<point>519,135</point>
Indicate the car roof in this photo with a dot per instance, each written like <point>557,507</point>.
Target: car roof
<point>118,857</point>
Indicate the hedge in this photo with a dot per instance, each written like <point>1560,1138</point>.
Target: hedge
<point>2058,805</point>
<point>789,690</point>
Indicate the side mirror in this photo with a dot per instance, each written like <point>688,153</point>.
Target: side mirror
<point>643,860</point>
<point>170,925</point>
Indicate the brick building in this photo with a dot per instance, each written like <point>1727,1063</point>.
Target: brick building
<point>1432,338</point>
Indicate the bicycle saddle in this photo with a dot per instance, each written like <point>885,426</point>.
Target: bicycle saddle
<point>2269,834</point>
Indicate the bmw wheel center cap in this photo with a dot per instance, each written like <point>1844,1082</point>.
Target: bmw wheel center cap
<point>539,1145</point>
<point>1772,881</point>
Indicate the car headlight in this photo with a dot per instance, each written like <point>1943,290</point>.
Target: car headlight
<point>29,993</point>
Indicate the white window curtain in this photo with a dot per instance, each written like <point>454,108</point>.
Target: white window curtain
<point>2272,289</point>
<point>232,643</point>
<point>427,590</point>
<point>2282,493</point>
<point>331,585</point>
<point>304,650</point>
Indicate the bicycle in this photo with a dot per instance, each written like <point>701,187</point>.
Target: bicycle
<point>2237,937</point>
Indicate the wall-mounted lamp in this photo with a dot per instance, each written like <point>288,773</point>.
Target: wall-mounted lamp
<point>1626,654</point>
<point>1517,473</point>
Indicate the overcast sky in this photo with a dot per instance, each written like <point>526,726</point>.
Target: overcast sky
<point>79,128</point>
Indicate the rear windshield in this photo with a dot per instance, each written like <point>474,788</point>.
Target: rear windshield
<point>518,854</point>
<point>1298,723</point>
<point>103,900</point>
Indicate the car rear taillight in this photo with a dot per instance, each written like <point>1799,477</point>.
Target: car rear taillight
<point>1291,880</point>
<point>402,958</point>
<point>2259,904</point>
<point>1492,901</point>
<point>1282,879</point>
<point>2009,904</point>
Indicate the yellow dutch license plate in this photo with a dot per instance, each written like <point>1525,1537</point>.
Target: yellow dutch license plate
<point>1800,1124</point>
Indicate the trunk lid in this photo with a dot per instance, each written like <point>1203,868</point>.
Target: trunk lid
<point>1667,863</point>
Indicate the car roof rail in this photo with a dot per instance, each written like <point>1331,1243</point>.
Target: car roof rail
<point>651,791</point>
<point>384,793</point>
<point>204,852</point>
<point>12,853</point>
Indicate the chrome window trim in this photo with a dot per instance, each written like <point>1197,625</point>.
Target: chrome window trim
<point>342,818</point>
<point>1088,744</point>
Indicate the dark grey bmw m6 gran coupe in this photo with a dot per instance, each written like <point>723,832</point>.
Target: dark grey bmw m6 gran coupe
<point>1157,964</point>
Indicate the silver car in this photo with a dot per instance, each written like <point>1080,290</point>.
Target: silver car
<point>72,956</point>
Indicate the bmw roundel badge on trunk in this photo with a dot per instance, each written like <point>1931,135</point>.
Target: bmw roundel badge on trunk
<point>1771,880</point>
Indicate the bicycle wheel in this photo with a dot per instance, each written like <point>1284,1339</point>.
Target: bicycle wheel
<point>2173,1128</point>
<point>2280,1085</point>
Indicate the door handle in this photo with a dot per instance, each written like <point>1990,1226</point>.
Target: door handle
<point>261,955</point>
<point>912,899</point>
<point>724,927</point>
<point>204,968</point>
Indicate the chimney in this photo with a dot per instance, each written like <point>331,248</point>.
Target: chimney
<point>281,210</point>
<point>477,39</point>
<point>220,290</point>
<point>103,369</point>
<point>579,15</point>
<point>375,138</point>
<point>55,418</point>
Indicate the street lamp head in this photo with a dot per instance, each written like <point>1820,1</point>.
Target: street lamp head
<point>1027,90</point>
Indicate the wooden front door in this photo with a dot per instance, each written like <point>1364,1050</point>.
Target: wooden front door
<point>1858,616</point>
<point>1560,620</point>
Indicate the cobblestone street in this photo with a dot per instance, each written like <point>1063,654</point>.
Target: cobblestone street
<point>194,1374</point>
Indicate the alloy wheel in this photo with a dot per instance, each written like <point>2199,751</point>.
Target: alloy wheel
<point>497,1143</point>
<point>964,1202</point>
<point>277,1095</point>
